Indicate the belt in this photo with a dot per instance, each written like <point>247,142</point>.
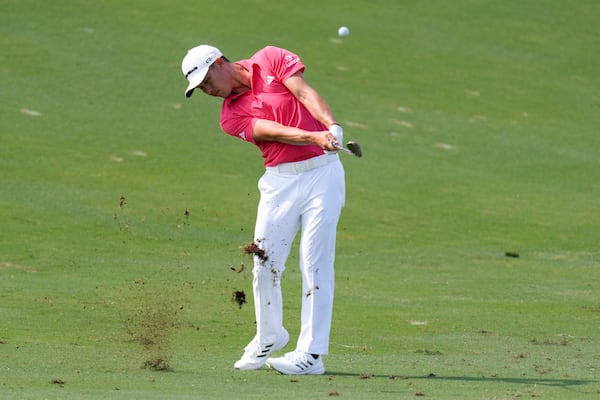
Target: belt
<point>303,166</point>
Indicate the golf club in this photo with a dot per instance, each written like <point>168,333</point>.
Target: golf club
<point>353,148</point>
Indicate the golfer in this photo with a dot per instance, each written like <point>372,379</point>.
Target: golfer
<point>268,103</point>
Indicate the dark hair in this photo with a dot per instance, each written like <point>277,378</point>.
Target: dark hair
<point>225,58</point>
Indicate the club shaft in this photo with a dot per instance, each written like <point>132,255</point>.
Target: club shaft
<point>345,150</point>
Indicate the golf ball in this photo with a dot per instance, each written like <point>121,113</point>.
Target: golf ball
<point>343,31</point>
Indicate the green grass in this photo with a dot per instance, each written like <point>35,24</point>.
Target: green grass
<point>478,121</point>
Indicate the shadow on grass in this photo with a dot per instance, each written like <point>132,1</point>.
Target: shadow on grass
<point>562,383</point>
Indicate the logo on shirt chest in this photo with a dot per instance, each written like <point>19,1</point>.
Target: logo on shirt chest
<point>270,79</point>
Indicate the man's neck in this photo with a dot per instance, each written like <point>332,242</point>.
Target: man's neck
<point>241,79</point>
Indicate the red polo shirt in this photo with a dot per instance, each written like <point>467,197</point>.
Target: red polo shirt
<point>270,99</point>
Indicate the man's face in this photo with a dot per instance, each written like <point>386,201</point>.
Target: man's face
<point>217,82</point>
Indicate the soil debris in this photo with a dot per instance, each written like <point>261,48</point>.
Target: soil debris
<point>157,364</point>
<point>239,297</point>
<point>252,248</point>
<point>240,269</point>
<point>312,290</point>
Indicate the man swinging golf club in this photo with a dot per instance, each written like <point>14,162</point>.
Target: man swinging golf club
<point>268,103</point>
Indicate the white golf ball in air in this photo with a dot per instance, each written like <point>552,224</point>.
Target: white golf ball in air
<point>343,31</point>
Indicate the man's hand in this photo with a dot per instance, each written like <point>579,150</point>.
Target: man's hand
<point>326,140</point>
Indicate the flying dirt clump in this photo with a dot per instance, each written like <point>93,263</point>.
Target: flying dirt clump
<point>252,248</point>
<point>239,297</point>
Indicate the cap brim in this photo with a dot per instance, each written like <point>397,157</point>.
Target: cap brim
<point>195,79</point>
<point>189,92</point>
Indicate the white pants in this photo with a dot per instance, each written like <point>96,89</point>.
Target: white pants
<point>311,195</point>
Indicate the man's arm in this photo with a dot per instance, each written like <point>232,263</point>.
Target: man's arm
<point>267,130</point>
<point>309,97</point>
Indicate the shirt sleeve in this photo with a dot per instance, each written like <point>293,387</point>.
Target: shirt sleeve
<point>237,124</point>
<point>283,62</point>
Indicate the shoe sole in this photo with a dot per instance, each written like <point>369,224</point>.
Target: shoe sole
<point>308,371</point>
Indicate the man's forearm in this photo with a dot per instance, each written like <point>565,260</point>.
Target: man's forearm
<point>312,100</point>
<point>271,131</point>
<point>318,108</point>
<point>266,130</point>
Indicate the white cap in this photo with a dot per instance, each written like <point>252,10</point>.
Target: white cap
<point>195,65</point>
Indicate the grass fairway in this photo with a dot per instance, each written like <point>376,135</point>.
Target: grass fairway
<point>124,209</point>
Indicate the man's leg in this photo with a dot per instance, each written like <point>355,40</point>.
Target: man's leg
<point>317,256</point>
<point>321,211</point>
<point>277,222</point>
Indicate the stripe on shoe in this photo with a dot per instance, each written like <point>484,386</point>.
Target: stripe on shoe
<point>265,351</point>
<point>302,365</point>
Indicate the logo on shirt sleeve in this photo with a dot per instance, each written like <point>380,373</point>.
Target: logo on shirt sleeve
<point>290,60</point>
<point>242,135</point>
<point>270,80</point>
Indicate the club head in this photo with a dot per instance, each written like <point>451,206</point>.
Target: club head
<point>354,147</point>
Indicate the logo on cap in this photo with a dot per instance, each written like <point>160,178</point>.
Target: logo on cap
<point>190,71</point>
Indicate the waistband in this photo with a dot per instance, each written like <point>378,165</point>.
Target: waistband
<point>305,165</point>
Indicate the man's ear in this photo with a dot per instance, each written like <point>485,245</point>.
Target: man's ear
<point>218,62</point>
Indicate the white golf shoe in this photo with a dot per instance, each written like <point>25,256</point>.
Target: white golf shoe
<point>297,363</point>
<point>256,354</point>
